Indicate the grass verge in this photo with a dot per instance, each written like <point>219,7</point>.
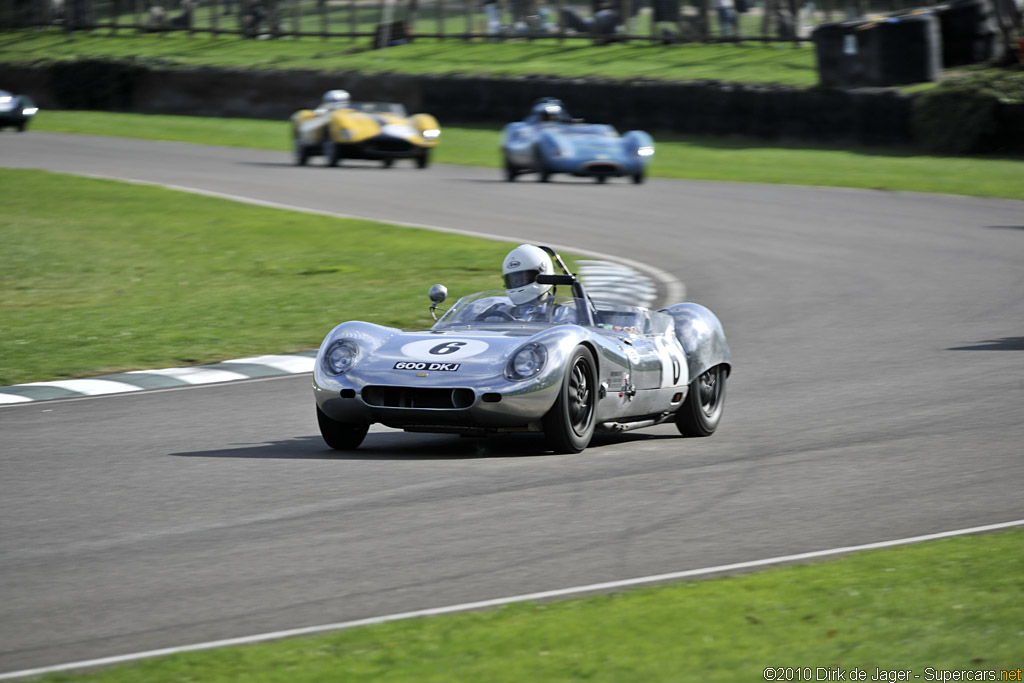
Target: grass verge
<point>677,157</point>
<point>117,276</point>
<point>950,605</point>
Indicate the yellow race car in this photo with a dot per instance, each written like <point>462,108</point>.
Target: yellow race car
<point>342,129</point>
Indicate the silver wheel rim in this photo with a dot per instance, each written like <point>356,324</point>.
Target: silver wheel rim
<point>710,389</point>
<point>580,398</point>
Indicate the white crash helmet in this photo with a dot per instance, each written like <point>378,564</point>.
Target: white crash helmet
<point>520,270</point>
<point>335,99</point>
<point>552,112</point>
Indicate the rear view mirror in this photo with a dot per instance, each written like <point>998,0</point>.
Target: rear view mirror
<point>438,293</point>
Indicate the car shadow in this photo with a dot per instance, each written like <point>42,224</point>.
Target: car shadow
<point>402,446</point>
<point>368,165</point>
<point>564,182</point>
<point>1004,344</point>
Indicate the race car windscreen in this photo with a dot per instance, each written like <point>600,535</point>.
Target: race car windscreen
<point>493,307</point>
<point>378,108</point>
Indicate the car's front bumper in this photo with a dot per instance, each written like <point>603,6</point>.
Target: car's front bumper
<point>437,403</point>
<point>384,147</point>
<point>612,167</point>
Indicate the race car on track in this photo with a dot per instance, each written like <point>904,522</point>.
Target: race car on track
<point>16,110</point>
<point>549,141</point>
<point>567,367</point>
<point>342,129</point>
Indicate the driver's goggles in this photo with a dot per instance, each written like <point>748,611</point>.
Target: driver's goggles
<point>520,278</point>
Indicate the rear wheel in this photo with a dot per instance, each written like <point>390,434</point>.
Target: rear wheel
<point>387,163</point>
<point>339,435</point>
<point>569,425</point>
<point>601,178</point>
<point>702,410</point>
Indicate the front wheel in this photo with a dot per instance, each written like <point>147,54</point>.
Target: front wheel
<point>423,160</point>
<point>544,174</point>
<point>702,410</point>
<point>331,153</point>
<point>301,153</point>
<point>510,170</point>
<point>339,435</point>
<point>569,425</point>
<point>638,178</point>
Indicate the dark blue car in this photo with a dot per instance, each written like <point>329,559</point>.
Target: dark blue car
<point>16,110</point>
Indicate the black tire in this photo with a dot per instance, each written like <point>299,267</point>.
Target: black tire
<point>22,126</point>
<point>543,174</point>
<point>331,154</point>
<point>511,172</point>
<point>301,153</point>
<point>387,163</point>
<point>702,410</point>
<point>569,425</point>
<point>423,160</point>
<point>638,178</point>
<point>338,435</point>
<point>601,179</point>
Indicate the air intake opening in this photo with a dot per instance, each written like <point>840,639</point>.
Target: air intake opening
<point>418,397</point>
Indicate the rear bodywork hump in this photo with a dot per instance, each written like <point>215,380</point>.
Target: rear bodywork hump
<point>703,339</point>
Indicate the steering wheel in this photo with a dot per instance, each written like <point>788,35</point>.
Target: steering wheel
<point>495,312</point>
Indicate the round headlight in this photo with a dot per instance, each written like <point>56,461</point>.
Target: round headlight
<point>340,357</point>
<point>527,362</point>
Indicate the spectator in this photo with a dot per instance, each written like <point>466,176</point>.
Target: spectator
<point>727,17</point>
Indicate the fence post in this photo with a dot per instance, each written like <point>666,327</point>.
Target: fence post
<point>561,21</point>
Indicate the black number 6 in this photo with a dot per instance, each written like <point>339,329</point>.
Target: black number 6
<point>447,348</point>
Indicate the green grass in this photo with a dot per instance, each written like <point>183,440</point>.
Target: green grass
<point>749,62</point>
<point>117,276</point>
<point>694,158</point>
<point>955,604</point>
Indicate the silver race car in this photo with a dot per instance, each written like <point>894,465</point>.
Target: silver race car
<point>567,369</point>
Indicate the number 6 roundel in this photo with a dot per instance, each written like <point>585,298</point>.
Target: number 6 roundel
<point>444,349</point>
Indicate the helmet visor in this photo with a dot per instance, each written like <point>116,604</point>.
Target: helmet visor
<point>520,278</point>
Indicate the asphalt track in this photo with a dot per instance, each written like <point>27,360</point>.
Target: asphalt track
<point>877,393</point>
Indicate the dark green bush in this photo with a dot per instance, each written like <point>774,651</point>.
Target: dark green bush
<point>960,115</point>
<point>96,84</point>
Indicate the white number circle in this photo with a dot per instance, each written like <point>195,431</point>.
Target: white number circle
<point>442,349</point>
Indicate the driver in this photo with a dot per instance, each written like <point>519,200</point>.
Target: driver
<point>548,110</point>
<point>531,301</point>
<point>335,99</point>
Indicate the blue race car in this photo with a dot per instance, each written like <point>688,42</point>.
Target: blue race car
<point>550,141</point>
